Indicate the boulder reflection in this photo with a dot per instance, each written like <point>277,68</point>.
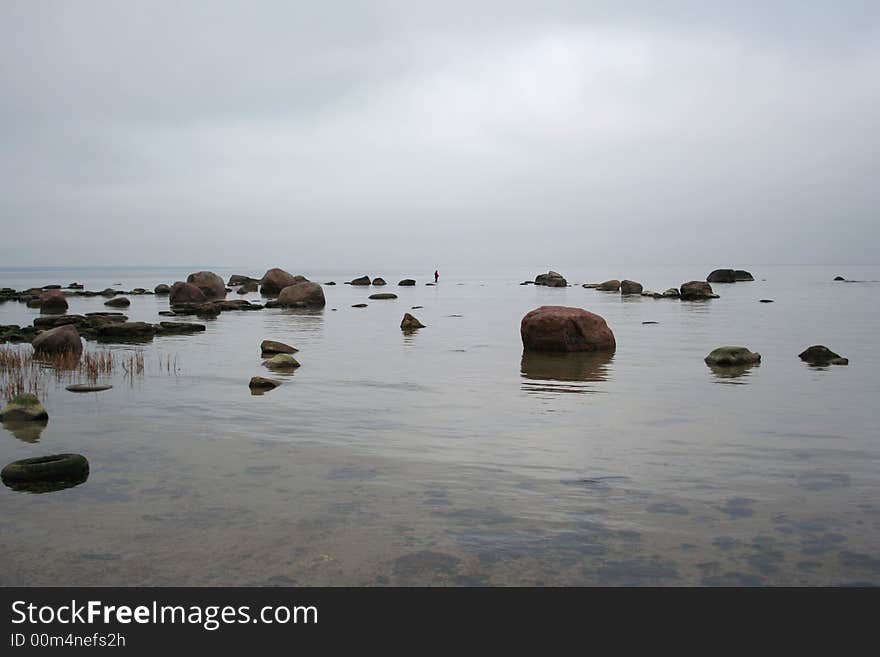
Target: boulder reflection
<point>730,374</point>
<point>564,372</point>
<point>28,431</point>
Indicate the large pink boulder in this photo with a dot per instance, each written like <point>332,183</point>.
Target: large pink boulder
<point>186,293</point>
<point>275,280</point>
<point>302,295</point>
<point>64,339</point>
<point>53,301</point>
<point>560,328</point>
<point>211,285</point>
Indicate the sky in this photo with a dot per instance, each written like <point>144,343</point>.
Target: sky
<point>482,134</point>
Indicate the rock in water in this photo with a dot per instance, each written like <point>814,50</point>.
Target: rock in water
<point>696,291</point>
<point>839,278</point>
<point>383,295</point>
<point>379,281</point>
<point>363,280</point>
<point>251,286</point>
<point>551,279</point>
<point>358,305</point>
<point>302,295</point>
<point>732,357</point>
<point>630,287</point>
<point>239,279</point>
<point>407,282</point>
<point>742,275</point>
<point>118,302</point>
<point>819,354</point>
<point>722,276</point>
<point>281,362</point>
<point>64,339</point>
<point>23,408</point>
<point>84,387</point>
<point>262,383</point>
<point>671,293</point>
<point>53,301</point>
<point>274,347</point>
<point>410,323</point>
<point>609,286</point>
<point>162,288</point>
<point>211,285</point>
<point>275,280</point>
<point>186,293</point>
<point>559,328</point>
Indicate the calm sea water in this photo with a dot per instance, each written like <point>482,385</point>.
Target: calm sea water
<point>448,457</point>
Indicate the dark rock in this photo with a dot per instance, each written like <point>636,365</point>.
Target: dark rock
<point>839,278</point>
<point>722,276</point>
<point>209,283</point>
<point>236,304</point>
<point>609,286</point>
<point>276,279</point>
<point>186,293</point>
<point>126,330</point>
<point>410,323</point>
<point>75,286</point>
<point>732,357</point>
<point>359,305</point>
<point>696,291</point>
<point>765,300</point>
<point>383,295</point>
<point>330,283</point>
<point>281,362</point>
<point>118,302</point>
<point>302,295</point>
<point>742,275</point>
<point>820,355</point>
<point>379,281</point>
<point>630,287</point>
<point>262,383</point>
<point>63,339</point>
<point>180,327</point>
<point>51,321</point>
<point>162,288</point>
<point>51,287</point>
<point>268,347</point>
<point>239,279</point>
<point>108,292</point>
<point>551,279</point>
<point>83,387</point>
<point>248,287</point>
<point>560,328</point>
<point>407,282</point>
<point>416,307</point>
<point>363,280</point>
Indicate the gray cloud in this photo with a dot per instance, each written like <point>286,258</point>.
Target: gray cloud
<point>362,133</point>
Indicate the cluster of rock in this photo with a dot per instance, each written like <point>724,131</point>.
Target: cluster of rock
<point>366,280</point>
<point>690,291</point>
<point>278,358</point>
<point>53,299</point>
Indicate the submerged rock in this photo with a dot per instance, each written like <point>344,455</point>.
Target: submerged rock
<point>211,285</point>
<point>742,275</point>
<point>358,305</point>
<point>162,288</point>
<point>410,323</point>
<point>839,278</point>
<point>722,276</point>
<point>53,301</point>
<point>630,287</point>
<point>551,279</point>
<point>274,347</point>
<point>363,280</point>
<point>126,330</point>
<point>383,295</point>
<point>819,354</point>
<point>302,295</point>
<point>118,302</point>
<point>732,357</point>
<point>181,327</point>
<point>281,362</point>
<point>23,408</point>
<point>560,328</point>
<point>407,282</point>
<point>696,291</point>
<point>84,387</point>
<point>379,281</point>
<point>63,339</point>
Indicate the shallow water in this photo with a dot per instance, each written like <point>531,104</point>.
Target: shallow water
<point>448,456</point>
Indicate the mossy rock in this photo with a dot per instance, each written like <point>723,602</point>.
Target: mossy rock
<point>281,362</point>
<point>732,357</point>
<point>24,408</point>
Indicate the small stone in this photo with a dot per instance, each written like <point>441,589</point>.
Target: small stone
<point>282,362</point>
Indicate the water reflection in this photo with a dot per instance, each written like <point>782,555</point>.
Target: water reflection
<point>564,372</point>
<point>40,487</point>
<point>28,431</point>
<point>729,373</point>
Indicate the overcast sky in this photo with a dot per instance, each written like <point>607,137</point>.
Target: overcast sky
<point>327,134</point>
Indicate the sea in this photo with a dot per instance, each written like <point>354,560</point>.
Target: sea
<point>449,456</point>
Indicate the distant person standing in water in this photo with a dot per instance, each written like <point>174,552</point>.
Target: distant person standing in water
<point>436,275</point>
